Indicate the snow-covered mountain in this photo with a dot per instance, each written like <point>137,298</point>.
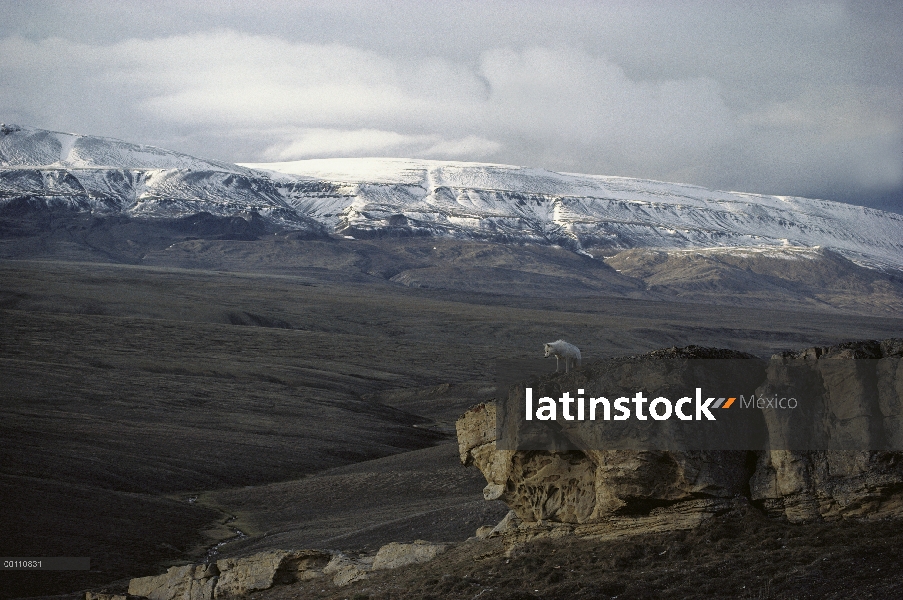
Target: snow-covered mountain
<point>589,214</point>
<point>32,147</point>
<point>107,177</point>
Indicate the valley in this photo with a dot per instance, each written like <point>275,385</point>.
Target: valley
<point>192,348</point>
<point>291,402</point>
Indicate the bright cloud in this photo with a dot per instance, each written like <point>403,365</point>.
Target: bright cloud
<point>369,142</point>
<point>784,106</point>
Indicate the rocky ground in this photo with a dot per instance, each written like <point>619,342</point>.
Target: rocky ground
<point>734,556</point>
<point>739,554</point>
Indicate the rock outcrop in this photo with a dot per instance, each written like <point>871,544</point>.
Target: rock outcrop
<point>587,492</point>
<point>604,492</point>
<point>584,485</point>
<point>345,569</point>
<point>106,596</point>
<point>239,576</point>
<point>394,554</point>
<point>236,577</point>
<point>861,399</point>
<point>190,582</point>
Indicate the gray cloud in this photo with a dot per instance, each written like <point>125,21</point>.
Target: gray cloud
<point>800,98</point>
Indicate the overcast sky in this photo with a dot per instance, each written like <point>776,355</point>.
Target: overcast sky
<point>799,98</point>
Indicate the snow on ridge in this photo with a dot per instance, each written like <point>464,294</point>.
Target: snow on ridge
<point>499,177</point>
<point>30,147</point>
<point>586,213</point>
<point>406,171</point>
<point>592,211</point>
<point>67,142</point>
<point>785,252</point>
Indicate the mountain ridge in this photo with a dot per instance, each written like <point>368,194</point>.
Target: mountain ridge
<point>22,146</point>
<point>595,215</point>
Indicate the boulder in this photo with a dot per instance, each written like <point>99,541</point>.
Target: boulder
<point>231,577</point>
<point>508,524</point>
<point>239,576</point>
<point>344,569</point>
<point>190,582</point>
<point>394,554</point>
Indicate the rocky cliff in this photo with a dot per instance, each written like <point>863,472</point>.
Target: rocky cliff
<point>603,492</point>
<point>862,398</point>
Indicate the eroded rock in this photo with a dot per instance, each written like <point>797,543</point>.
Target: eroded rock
<point>394,554</point>
<point>190,582</point>
<point>344,569</point>
<point>563,479</point>
<point>602,492</point>
<point>859,402</point>
<point>239,576</point>
<point>232,577</point>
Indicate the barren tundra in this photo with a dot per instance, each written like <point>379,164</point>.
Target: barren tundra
<point>128,391</point>
<point>195,352</point>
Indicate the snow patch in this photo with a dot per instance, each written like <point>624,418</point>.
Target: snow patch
<point>67,142</point>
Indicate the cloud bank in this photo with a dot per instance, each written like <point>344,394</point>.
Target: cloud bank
<point>818,115</point>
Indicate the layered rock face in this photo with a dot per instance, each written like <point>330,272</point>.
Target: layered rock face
<point>584,487</point>
<point>862,399</point>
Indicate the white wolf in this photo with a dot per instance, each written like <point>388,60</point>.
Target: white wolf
<point>561,349</point>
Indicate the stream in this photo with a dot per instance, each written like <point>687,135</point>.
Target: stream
<point>213,551</point>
